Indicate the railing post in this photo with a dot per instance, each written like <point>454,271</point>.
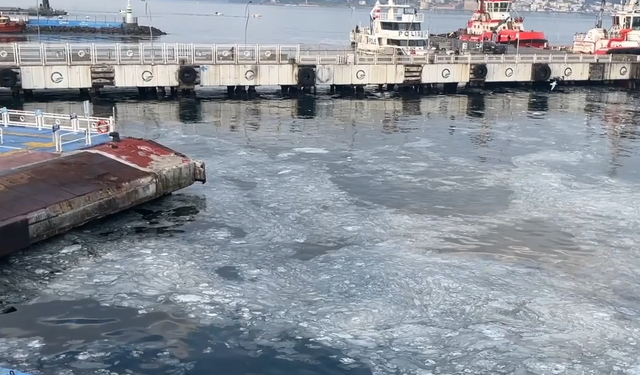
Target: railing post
<point>5,116</point>
<point>39,119</point>
<point>298,54</point>
<point>1,137</point>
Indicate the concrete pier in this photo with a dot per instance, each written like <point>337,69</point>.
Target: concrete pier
<point>294,68</point>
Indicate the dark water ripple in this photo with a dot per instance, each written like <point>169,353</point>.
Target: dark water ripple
<point>483,234</point>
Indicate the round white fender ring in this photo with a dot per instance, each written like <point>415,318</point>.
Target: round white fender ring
<point>130,53</point>
<point>623,70</point>
<point>267,54</point>
<point>508,72</point>
<point>567,72</point>
<point>446,73</point>
<point>57,122</point>
<point>22,118</point>
<point>225,53</point>
<point>80,53</point>
<point>3,53</point>
<point>247,54</point>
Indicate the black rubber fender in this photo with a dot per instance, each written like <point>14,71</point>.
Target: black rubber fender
<point>306,76</point>
<point>542,73</point>
<point>8,78</point>
<point>187,75</point>
<point>480,71</point>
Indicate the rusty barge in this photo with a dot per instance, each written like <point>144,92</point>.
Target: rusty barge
<point>85,171</point>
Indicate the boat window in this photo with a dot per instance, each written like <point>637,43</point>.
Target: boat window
<point>504,6</point>
<point>616,21</point>
<point>407,43</point>
<point>414,26</point>
<point>635,23</point>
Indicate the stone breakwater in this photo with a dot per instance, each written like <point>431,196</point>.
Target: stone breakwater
<point>130,30</point>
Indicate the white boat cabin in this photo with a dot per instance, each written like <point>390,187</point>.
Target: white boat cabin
<point>623,33</point>
<point>394,27</point>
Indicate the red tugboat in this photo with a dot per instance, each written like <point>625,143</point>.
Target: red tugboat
<point>493,21</point>
<point>622,38</point>
<point>7,26</point>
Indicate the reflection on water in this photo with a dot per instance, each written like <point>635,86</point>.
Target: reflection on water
<point>340,232</point>
<point>81,335</point>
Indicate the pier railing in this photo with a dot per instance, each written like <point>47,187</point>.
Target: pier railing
<point>235,54</point>
<point>64,128</point>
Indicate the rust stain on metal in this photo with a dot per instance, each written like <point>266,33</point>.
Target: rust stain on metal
<point>38,186</point>
<point>141,152</point>
<point>11,161</point>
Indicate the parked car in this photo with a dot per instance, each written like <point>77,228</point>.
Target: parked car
<point>490,47</point>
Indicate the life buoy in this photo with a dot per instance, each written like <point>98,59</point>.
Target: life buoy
<point>3,54</point>
<point>22,118</point>
<point>267,54</point>
<point>225,53</point>
<point>247,54</point>
<point>102,127</point>
<point>80,54</point>
<point>130,53</point>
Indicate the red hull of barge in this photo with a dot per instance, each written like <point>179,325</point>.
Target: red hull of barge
<point>44,194</point>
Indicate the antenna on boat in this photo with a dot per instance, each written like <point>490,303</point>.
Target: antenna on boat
<point>600,14</point>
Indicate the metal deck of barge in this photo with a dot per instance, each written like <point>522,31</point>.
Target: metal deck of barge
<point>58,172</point>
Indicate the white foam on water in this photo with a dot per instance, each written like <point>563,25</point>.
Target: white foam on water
<point>385,299</point>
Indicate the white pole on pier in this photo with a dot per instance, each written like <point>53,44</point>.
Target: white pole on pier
<point>246,24</point>
<point>38,15</point>
<point>147,12</point>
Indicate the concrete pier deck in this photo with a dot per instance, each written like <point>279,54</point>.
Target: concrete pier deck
<point>84,67</point>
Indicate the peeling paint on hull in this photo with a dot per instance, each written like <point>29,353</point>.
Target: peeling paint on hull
<point>45,194</point>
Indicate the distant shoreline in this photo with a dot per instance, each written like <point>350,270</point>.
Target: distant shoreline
<point>329,4</point>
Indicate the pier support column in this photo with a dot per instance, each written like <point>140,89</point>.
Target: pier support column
<point>173,91</point>
<point>28,94</point>
<point>142,91</point>
<point>450,88</point>
<point>230,90</point>
<point>332,89</point>
<point>241,90</point>
<point>284,89</point>
<point>252,91</point>
<point>15,92</point>
<point>390,87</point>
<point>359,89</point>
<point>162,91</point>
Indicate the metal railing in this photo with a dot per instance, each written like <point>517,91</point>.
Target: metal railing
<point>236,54</point>
<point>61,126</point>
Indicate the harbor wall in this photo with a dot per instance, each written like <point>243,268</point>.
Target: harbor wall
<point>53,22</point>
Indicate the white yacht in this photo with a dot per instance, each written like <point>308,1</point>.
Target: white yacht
<point>395,27</point>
